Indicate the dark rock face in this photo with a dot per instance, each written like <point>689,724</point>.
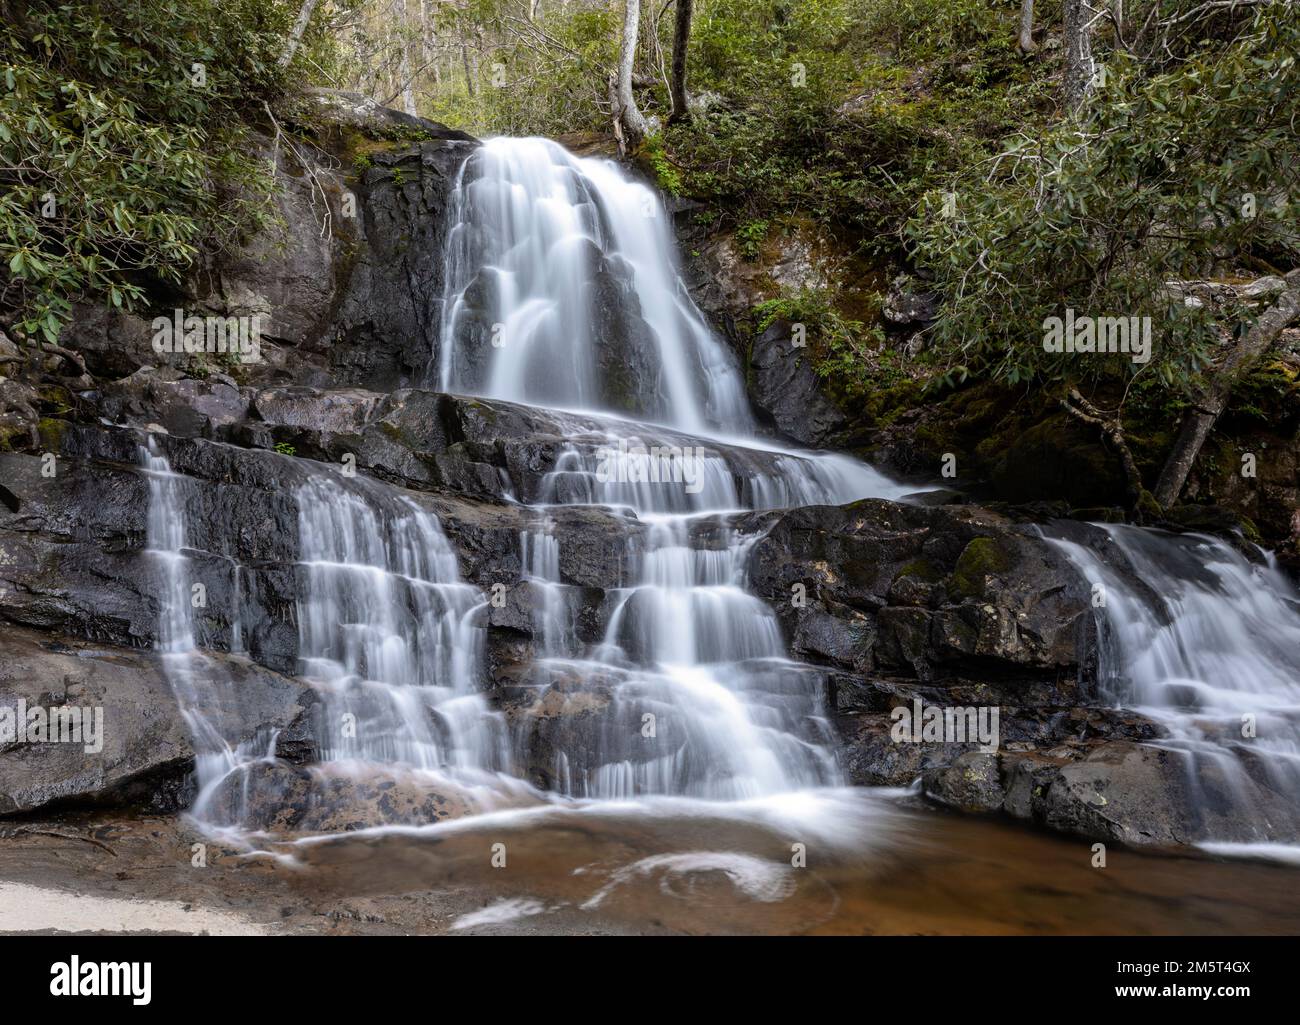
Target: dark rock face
<point>113,344</point>
<point>627,358</point>
<point>386,330</point>
<point>1117,790</point>
<point>923,593</point>
<point>347,284</point>
<point>144,746</point>
<point>784,385</point>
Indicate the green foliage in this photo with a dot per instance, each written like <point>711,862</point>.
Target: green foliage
<point>122,146</point>
<point>542,77</point>
<point>846,111</point>
<point>667,174</point>
<point>750,236</point>
<point>1165,176</point>
<point>285,448</point>
<point>842,348</point>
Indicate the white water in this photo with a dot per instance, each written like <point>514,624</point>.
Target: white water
<point>530,223</point>
<point>704,700</point>
<point>208,701</point>
<point>1207,643</point>
<point>391,635</point>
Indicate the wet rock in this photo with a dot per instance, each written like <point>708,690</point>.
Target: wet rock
<point>846,638</point>
<point>871,757</point>
<point>970,783</point>
<point>563,722</point>
<point>627,355</point>
<point>289,800</point>
<point>937,587</point>
<point>182,405</point>
<point>146,752</point>
<point>287,273</point>
<point>385,332</point>
<point>1141,794</point>
<point>785,387</point>
<point>19,415</point>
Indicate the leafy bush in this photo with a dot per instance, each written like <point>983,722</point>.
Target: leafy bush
<point>841,348</point>
<point>123,146</point>
<point>1165,176</point>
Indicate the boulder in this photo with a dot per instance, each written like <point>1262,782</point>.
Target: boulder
<point>287,800</point>
<point>146,752</point>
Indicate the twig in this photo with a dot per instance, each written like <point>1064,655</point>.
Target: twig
<point>28,831</point>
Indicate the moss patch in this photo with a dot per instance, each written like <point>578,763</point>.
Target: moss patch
<point>982,558</point>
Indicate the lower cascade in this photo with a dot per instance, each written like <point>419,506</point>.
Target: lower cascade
<point>1207,643</point>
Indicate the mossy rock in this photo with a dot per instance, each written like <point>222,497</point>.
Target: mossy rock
<point>1212,519</point>
<point>922,569</point>
<point>981,558</point>
<point>51,430</point>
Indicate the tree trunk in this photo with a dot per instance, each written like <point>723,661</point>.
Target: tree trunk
<point>464,59</point>
<point>626,115</point>
<point>1027,44</point>
<point>296,33</point>
<point>681,40</point>
<point>1205,411</point>
<point>404,64</point>
<point>1079,68</point>
<point>1112,429</point>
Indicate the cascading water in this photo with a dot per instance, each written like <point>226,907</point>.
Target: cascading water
<point>563,290</point>
<point>571,260</point>
<point>542,245</point>
<point>1207,643</point>
<point>205,694</point>
<point>390,635</point>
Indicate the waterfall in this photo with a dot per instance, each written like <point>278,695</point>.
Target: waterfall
<point>563,290</point>
<point>206,696</point>
<point>569,266</point>
<point>1207,643</point>
<point>390,635</point>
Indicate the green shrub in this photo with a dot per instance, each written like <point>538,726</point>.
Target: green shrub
<point>123,146</point>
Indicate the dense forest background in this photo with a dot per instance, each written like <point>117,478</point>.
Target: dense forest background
<point>989,162</point>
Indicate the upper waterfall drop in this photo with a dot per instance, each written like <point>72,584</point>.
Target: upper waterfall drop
<point>563,290</point>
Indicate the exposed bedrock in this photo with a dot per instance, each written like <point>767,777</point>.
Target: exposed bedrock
<point>884,603</point>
